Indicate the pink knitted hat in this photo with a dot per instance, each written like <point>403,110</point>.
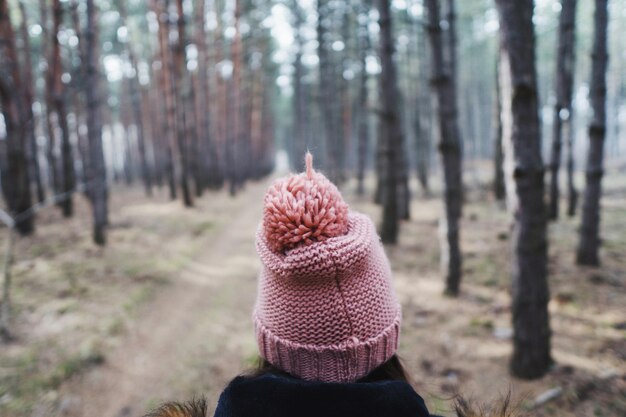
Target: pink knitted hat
<point>326,309</point>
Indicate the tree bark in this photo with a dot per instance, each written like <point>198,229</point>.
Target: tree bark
<point>522,147</point>
<point>450,149</point>
<point>328,88</point>
<point>97,168</point>
<point>46,41</point>
<point>498,153</point>
<point>363,98</point>
<point>60,108</point>
<point>390,126</point>
<point>299,104</point>
<point>179,92</point>
<point>572,192</point>
<point>161,9</point>
<point>33,149</point>
<point>422,119</point>
<point>16,184</point>
<point>235,109</point>
<point>78,80</point>
<point>209,165</point>
<point>563,108</point>
<point>344,131</point>
<point>589,244</point>
<point>137,110</point>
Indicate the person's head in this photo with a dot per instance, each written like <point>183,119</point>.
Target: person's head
<point>326,309</point>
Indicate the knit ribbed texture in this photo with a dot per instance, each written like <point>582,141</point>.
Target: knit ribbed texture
<point>326,309</point>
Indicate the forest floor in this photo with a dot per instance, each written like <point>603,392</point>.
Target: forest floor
<point>163,312</point>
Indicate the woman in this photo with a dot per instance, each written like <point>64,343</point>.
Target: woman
<point>326,319</point>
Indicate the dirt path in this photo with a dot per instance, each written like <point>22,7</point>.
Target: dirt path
<point>175,338</point>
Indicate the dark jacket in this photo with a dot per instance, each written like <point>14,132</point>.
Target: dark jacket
<point>282,396</point>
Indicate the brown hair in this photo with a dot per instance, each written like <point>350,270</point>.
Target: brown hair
<point>193,408</point>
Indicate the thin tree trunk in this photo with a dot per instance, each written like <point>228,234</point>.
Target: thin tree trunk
<point>499,189</point>
<point>179,85</point>
<point>169,118</point>
<point>214,172</point>
<point>522,147</point>
<point>450,149</point>
<point>563,107</point>
<point>363,111</point>
<point>97,167</point>
<point>135,97</point>
<point>235,105</point>
<point>300,142</point>
<point>16,183</point>
<point>390,125</point>
<point>344,131</point>
<point>589,244</point>
<point>46,41</point>
<point>78,79</point>
<point>153,104</point>
<point>572,191</point>
<point>327,90</point>
<point>5,307</point>
<point>33,149</point>
<point>201,160</point>
<point>60,108</point>
<point>422,109</point>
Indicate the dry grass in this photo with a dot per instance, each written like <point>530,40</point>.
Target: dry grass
<point>463,345</point>
<point>72,301</point>
<point>74,304</point>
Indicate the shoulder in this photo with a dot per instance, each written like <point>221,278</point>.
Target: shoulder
<point>277,395</point>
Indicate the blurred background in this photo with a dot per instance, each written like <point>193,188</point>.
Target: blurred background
<point>137,138</point>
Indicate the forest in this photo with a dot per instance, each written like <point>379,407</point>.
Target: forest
<point>486,138</point>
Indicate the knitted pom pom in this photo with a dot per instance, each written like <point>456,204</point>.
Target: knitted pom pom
<point>302,209</point>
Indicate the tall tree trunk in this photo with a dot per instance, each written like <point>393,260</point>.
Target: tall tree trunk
<point>299,134</point>
<point>97,167</point>
<point>33,149</point>
<point>16,182</point>
<point>422,119</point>
<point>221,113</point>
<point>563,108</point>
<point>137,111</point>
<point>363,110</point>
<point>498,153</point>
<point>572,192</point>
<point>153,103</point>
<point>78,79</point>
<point>46,41</point>
<point>450,149</point>
<point>161,9</point>
<point>522,147</point>
<point>235,109</point>
<point>60,108</point>
<point>327,90</point>
<point>589,244</point>
<point>179,87</point>
<point>390,125</point>
<point>203,159</point>
<point>213,172</point>
<point>344,131</point>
